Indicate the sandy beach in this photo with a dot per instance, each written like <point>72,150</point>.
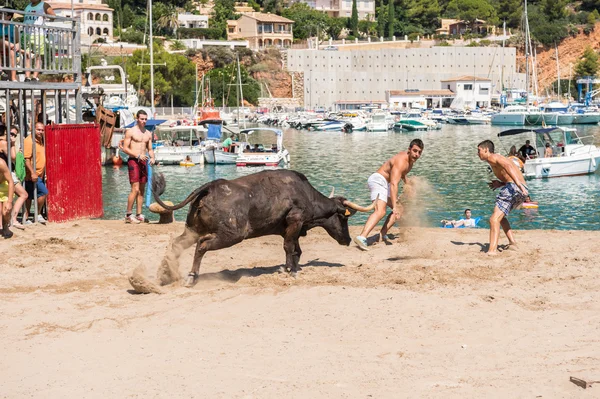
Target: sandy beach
<point>428,316</point>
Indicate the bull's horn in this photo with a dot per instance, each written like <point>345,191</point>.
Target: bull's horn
<point>332,192</point>
<point>359,208</point>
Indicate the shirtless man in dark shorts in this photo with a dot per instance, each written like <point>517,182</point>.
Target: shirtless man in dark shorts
<point>138,142</point>
<point>513,192</point>
<point>383,185</point>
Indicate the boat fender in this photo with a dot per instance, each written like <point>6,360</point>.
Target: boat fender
<point>117,161</point>
<point>529,205</point>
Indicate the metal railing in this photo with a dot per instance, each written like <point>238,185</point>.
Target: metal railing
<point>50,47</point>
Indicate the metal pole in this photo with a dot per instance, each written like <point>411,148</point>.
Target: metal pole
<point>33,152</point>
<point>8,139</point>
<point>151,59</point>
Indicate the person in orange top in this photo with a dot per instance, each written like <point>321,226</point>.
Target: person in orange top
<point>35,175</point>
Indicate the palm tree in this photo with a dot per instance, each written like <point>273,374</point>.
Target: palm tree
<point>169,21</point>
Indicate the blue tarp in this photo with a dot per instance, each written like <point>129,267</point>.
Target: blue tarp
<point>151,124</point>
<point>214,132</point>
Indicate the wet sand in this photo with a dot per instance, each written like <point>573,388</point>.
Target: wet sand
<point>428,316</point>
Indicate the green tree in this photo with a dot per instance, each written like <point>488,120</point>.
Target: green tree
<point>381,19</point>
<point>168,21</point>
<point>273,6</point>
<point>545,31</point>
<point>223,85</point>
<point>174,79</point>
<point>391,29</point>
<point>425,14</point>
<point>222,11</point>
<point>470,10</point>
<point>587,64</point>
<point>335,26</point>
<point>354,19</point>
<point>555,9</point>
<point>510,11</point>
<point>590,5</point>
<point>307,21</point>
<point>177,45</point>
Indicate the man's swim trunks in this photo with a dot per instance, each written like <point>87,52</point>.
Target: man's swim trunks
<point>138,171</point>
<point>509,197</point>
<point>378,186</point>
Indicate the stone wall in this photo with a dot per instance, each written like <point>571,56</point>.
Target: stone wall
<point>365,75</point>
<point>271,102</point>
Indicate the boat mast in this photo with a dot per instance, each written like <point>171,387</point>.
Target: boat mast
<point>241,91</point>
<point>526,58</point>
<point>151,59</point>
<point>557,70</point>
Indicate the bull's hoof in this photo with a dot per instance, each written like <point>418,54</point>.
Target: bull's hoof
<point>281,269</point>
<point>191,279</point>
<point>294,274</point>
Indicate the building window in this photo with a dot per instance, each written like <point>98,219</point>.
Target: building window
<point>90,17</point>
<point>90,31</point>
<point>98,17</point>
<point>105,17</point>
<point>98,31</point>
<point>468,87</point>
<point>105,32</point>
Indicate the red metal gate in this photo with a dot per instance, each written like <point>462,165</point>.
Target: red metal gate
<point>74,174</point>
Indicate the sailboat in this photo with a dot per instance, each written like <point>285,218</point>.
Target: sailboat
<point>519,115</point>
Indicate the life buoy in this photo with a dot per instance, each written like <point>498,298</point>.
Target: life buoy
<point>529,205</point>
<point>117,161</point>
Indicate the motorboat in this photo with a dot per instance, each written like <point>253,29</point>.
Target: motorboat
<point>468,119</point>
<point>332,126</point>
<point>175,144</point>
<point>380,123</point>
<point>414,121</point>
<point>556,113</point>
<point>570,156</point>
<point>585,115</point>
<point>518,115</point>
<point>258,154</point>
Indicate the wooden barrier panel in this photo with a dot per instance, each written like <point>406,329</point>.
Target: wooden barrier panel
<point>73,170</point>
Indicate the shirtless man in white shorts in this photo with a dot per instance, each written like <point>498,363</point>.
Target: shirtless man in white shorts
<point>384,190</point>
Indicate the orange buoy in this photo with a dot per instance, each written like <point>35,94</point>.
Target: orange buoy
<point>117,161</point>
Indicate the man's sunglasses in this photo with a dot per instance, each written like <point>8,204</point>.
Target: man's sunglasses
<point>14,134</point>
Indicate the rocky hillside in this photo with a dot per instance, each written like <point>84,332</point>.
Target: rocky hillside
<point>569,52</point>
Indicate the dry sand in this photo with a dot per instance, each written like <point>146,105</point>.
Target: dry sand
<point>429,316</point>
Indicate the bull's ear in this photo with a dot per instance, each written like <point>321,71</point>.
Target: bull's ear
<point>350,212</point>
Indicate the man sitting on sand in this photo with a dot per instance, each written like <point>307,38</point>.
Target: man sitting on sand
<point>511,195</point>
<point>466,222</point>
<point>383,185</point>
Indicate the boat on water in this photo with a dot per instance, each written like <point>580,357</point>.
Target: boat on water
<point>175,144</point>
<point>570,156</point>
<point>380,123</point>
<point>415,121</point>
<point>556,113</point>
<point>518,115</point>
<point>259,154</point>
<point>585,115</point>
<point>468,118</point>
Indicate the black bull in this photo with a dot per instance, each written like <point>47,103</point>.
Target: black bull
<point>276,202</point>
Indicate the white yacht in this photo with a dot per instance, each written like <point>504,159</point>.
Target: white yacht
<point>518,115</point>
<point>570,156</point>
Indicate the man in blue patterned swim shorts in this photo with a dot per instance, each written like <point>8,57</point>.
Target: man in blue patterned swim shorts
<point>512,192</point>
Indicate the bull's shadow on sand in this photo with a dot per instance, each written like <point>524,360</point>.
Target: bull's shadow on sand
<point>233,276</point>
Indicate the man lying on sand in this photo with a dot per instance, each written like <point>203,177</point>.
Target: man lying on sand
<point>511,195</point>
<point>383,185</point>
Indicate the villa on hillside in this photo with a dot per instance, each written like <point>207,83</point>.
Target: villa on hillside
<point>261,30</point>
<point>343,8</point>
<point>96,18</point>
<point>187,20</point>
<point>459,27</point>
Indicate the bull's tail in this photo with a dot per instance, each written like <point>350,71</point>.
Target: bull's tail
<point>158,188</point>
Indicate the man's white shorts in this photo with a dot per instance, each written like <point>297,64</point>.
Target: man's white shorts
<point>378,186</point>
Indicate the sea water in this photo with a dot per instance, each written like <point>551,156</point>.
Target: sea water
<point>455,177</point>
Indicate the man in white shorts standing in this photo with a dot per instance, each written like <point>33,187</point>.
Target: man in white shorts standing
<point>383,185</point>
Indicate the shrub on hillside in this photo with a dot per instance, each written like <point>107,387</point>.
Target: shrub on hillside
<point>200,33</point>
<point>443,43</point>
